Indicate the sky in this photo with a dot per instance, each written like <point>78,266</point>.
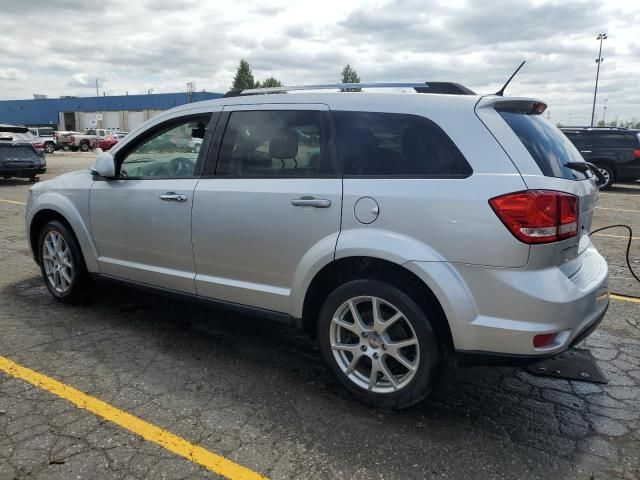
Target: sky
<point>60,47</point>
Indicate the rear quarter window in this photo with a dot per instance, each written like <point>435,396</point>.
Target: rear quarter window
<point>548,146</point>
<point>396,145</point>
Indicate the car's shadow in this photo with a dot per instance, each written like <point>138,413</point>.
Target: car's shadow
<point>204,354</point>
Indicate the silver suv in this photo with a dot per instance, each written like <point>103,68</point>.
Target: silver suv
<point>396,227</point>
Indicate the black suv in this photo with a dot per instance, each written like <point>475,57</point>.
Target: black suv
<point>615,151</point>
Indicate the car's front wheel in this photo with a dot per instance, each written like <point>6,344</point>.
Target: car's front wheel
<point>61,263</point>
<point>49,147</point>
<point>378,343</point>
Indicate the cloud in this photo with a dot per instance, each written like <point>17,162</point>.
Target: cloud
<point>163,44</point>
<point>81,80</point>
<point>10,74</point>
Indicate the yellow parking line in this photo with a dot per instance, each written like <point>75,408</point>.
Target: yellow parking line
<point>12,201</point>
<point>624,298</point>
<point>179,446</point>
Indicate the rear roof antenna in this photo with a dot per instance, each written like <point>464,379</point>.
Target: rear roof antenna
<point>500,92</point>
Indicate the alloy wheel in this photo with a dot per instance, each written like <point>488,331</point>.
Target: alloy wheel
<point>374,344</point>
<point>58,265</point>
<point>607,176</point>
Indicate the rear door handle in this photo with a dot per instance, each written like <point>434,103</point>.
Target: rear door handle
<point>173,197</point>
<point>311,202</point>
<point>585,151</point>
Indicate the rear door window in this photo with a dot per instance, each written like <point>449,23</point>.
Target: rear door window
<point>548,146</point>
<point>614,140</point>
<point>396,145</point>
<point>278,143</point>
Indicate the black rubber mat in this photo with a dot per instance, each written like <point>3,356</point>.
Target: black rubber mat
<point>573,364</point>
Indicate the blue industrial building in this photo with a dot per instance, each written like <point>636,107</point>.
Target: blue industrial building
<point>63,113</point>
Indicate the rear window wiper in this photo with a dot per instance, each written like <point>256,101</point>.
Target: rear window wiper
<point>584,167</point>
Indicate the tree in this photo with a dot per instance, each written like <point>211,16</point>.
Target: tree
<point>349,75</point>
<point>269,83</point>
<point>244,77</point>
<point>600,123</point>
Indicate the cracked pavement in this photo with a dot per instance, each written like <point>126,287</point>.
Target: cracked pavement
<point>258,393</point>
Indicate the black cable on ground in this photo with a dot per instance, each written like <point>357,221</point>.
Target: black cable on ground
<point>629,321</point>
<point>628,245</point>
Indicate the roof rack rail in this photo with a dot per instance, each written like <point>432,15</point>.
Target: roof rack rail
<point>420,87</point>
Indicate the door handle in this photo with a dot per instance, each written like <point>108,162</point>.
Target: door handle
<point>311,202</point>
<point>173,197</point>
<point>585,151</point>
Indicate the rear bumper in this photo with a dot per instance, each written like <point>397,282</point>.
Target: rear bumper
<point>474,358</point>
<point>498,311</point>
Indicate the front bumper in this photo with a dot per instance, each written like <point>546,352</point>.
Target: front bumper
<point>498,311</point>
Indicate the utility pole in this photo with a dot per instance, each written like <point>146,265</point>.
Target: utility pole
<point>601,37</point>
<point>97,93</point>
<point>604,112</point>
<point>191,88</point>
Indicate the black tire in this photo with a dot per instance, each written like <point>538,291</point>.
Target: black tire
<point>609,173</point>
<point>34,179</point>
<point>49,147</point>
<point>66,147</point>
<point>418,387</point>
<point>81,280</point>
<point>85,147</point>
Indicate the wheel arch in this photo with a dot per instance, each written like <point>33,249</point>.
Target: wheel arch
<point>346,269</point>
<point>606,162</point>
<point>42,216</point>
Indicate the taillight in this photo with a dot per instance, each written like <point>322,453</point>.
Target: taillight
<point>72,139</point>
<point>538,216</point>
<point>38,146</point>
<point>636,152</point>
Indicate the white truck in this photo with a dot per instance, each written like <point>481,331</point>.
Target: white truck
<point>46,135</point>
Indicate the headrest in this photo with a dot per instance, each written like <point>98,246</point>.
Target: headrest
<point>284,145</point>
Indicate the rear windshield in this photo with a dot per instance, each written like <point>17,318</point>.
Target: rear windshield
<point>14,153</point>
<point>548,146</point>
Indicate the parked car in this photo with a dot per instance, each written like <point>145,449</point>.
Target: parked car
<point>110,140</point>
<point>18,155</point>
<point>47,137</point>
<point>615,151</point>
<point>63,138</point>
<point>88,140</point>
<point>400,229</point>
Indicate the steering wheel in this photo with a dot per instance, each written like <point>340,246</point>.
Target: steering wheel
<point>180,167</point>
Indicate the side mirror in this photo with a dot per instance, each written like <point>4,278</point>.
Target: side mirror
<point>105,165</point>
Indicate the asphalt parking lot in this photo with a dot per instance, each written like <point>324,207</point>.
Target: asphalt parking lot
<point>257,394</point>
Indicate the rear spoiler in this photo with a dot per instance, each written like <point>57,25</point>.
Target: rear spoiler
<point>13,129</point>
<point>527,106</point>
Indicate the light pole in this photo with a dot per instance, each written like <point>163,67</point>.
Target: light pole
<point>601,37</point>
<point>604,112</point>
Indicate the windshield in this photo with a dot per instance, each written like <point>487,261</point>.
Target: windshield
<point>548,146</point>
<point>46,132</point>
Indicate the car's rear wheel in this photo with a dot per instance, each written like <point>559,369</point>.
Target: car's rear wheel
<point>66,147</point>
<point>49,147</point>
<point>378,343</point>
<point>61,263</point>
<point>608,174</point>
<point>84,147</point>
